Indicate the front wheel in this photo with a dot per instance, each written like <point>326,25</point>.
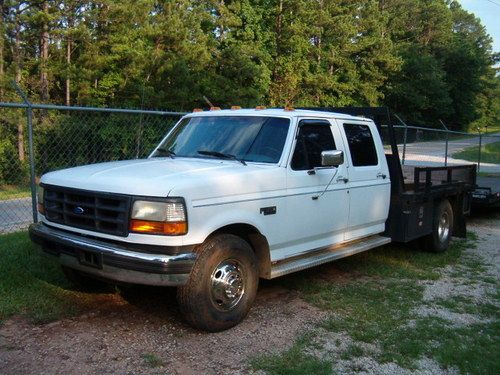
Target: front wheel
<point>442,227</point>
<point>222,285</point>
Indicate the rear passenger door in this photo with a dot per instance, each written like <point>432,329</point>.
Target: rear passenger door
<point>369,183</point>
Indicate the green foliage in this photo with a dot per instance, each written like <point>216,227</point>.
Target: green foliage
<point>84,138</point>
<point>419,90</point>
<point>427,59</point>
<point>12,170</point>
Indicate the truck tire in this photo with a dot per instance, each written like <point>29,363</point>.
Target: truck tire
<point>83,282</point>
<point>222,285</point>
<point>442,226</point>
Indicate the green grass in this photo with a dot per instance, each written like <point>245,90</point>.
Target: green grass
<point>376,305</point>
<point>152,360</point>
<point>488,174</point>
<point>14,191</point>
<point>294,361</point>
<point>490,153</point>
<point>32,284</point>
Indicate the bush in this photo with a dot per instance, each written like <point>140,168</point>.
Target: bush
<point>12,170</point>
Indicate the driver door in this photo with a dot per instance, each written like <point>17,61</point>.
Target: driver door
<point>315,217</point>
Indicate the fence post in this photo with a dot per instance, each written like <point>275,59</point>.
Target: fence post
<point>446,144</point>
<point>404,138</point>
<point>479,151</point>
<point>29,120</point>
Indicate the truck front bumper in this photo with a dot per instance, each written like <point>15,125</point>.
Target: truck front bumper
<point>111,261</point>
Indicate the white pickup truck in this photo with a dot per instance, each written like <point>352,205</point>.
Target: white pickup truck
<point>231,196</point>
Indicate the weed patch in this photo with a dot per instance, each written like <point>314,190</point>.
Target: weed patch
<point>152,360</point>
<point>294,361</point>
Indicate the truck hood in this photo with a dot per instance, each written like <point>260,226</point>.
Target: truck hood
<point>148,177</point>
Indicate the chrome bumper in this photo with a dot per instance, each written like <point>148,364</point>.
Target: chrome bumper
<point>111,261</point>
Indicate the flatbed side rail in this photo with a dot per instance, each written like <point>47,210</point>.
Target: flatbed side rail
<point>427,178</point>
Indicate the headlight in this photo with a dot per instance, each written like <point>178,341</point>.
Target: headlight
<point>154,217</point>
<point>39,197</point>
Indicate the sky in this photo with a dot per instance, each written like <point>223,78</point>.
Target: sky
<point>488,11</point>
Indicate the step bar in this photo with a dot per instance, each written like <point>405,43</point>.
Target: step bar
<point>321,256</point>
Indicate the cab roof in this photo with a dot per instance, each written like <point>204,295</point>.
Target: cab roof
<point>276,112</point>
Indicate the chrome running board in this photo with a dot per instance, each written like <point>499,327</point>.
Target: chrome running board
<point>317,257</point>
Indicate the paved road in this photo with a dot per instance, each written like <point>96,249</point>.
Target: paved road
<point>15,214</point>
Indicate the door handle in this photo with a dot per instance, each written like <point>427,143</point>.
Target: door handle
<point>345,180</point>
<point>381,175</point>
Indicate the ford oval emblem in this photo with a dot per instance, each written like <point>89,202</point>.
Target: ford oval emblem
<point>78,210</point>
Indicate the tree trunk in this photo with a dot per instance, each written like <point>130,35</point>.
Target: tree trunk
<point>17,68</point>
<point>68,62</point>
<point>44,56</point>
<point>2,33</point>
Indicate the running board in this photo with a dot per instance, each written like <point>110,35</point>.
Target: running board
<point>315,258</point>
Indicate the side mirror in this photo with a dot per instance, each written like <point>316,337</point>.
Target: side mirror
<point>332,158</point>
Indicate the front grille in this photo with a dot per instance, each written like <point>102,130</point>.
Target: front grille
<point>98,212</point>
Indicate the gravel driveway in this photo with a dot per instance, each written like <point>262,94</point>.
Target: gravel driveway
<point>143,332</point>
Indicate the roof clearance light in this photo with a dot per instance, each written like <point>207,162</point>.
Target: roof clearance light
<point>197,110</point>
<point>215,108</point>
<point>235,107</point>
<point>260,107</point>
<point>289,109</point>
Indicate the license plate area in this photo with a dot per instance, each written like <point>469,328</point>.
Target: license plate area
<point>90,258</point>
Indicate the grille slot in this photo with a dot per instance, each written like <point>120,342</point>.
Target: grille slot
<point>95,211</point>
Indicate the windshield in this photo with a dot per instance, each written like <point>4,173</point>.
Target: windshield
<point>248,138</point>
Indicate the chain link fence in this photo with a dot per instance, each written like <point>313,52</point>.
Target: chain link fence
<point>35,139</point>
<point>64,137</point>
<point>419,146</point>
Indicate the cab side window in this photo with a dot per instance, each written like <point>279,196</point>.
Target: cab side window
<point>314,137</point>
<point>361,145</point>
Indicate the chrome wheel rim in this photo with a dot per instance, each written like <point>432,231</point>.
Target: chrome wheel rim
<point>227,284</point>
<point>443,227</point>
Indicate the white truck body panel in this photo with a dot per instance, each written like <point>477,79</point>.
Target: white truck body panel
<point>224,192</point>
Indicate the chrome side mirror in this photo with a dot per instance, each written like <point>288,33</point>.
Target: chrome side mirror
<point>332,158</point>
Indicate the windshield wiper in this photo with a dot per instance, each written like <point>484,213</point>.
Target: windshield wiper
<point>221,155</point>
<point>166,152</point>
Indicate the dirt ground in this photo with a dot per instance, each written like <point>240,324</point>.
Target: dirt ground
<point>144,333</point>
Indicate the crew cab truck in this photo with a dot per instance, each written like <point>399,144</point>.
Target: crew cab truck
<point>231,196</point>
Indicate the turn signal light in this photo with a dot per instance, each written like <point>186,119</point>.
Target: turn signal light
<point>260,107</point>
<point>215,108</point>
<point>157,227</point>
<point>235,107</point>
